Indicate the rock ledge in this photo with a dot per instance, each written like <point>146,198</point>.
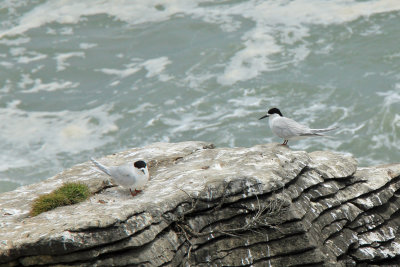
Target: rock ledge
<point>207,206</point>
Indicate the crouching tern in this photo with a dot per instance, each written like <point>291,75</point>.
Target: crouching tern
<point>132,175</point>
<point>289,129</point>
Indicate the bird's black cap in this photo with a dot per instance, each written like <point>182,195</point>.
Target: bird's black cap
<point>274,111</point>
<point>140,164</point>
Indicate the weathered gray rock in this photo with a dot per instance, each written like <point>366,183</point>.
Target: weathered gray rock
<point>206,206</point>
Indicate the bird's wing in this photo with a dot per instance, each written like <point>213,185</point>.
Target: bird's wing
<point>324,130</point>
<point>288,127</point>
<point>124,174</point>
<point>101,166</point>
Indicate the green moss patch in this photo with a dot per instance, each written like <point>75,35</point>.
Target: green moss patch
<point>68,194</point>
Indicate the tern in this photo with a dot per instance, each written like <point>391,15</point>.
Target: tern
<point>289,129</point>
<point>132,175</point>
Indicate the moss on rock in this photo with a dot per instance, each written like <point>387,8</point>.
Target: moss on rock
<point>68,194</point>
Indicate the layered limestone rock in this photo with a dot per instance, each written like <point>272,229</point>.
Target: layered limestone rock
<point>203,206</point>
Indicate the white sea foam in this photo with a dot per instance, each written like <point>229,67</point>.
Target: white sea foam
<point>389,120</point>
<point>121,73</point>
<point>137,12</point>
<point>71,12</point>
<point>6,87</point>
<point>87,45</point>
<point>194,81</point>
<point>391,97</point>
<point>23,56</point>
<point>188,121</point>
<point>6,64</point>
<point>289,21</point>
<point>34,56</point>
<point>61,59</point>
<point>37,85</point>
<point>275,23</point>
<point>246,101</point>
<point>67,31</point>
<point>17,51</point>
<point>44,135</point>
<point>16,41</point>
<point>154,67</point>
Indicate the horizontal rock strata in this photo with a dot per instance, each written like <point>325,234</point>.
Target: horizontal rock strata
<point>203,206</point>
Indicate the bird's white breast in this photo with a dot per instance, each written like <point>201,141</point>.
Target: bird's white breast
<point>276,125</point>
<point>142,179</point>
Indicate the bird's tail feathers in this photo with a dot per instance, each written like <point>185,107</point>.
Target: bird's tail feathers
<point>317,134</point>
<point>316,131</point>
<point>101,166</point>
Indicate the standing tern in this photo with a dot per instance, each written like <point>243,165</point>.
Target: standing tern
<point>134,176</point>
<point>289,129</point>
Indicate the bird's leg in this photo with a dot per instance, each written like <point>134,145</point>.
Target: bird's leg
<point>285,142</point>
<point>134,193</point>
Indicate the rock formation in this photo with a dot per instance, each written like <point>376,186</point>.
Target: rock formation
<point>261,206</point>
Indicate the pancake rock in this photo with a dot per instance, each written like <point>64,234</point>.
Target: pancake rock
<point>204,206</point>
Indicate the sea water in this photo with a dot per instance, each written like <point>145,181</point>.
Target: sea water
<point>90,78</point>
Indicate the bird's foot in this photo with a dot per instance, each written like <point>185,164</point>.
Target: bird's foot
<point>285,143</point>
<point>134,193</point>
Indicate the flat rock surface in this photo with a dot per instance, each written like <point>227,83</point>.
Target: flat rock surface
<point>212,206</point>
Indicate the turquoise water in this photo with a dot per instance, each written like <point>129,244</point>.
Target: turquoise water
<point>89,78</point>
